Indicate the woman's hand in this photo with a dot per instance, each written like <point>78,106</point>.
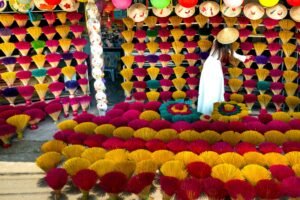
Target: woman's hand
<point>248,58</point>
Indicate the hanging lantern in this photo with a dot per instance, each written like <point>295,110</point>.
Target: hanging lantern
<point>124,4</point>
<point>53,2</point>
<point>268,3</point>
<point>188,3</point>
<point>109,8</point>
<point>160,3</point>
<point>233,3</point>
<point>293,2</point>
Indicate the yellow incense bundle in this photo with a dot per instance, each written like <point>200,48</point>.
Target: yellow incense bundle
<point>63,30</point>
<point>204,45</point>
<point>128,61</point>
<point>177,46</point>
<point>128,48</point>
<point>129,23</point>
<point>201,20</point>
<point>34,32</point>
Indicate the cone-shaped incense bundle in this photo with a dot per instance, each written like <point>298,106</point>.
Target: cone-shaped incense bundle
<point>38,46</point>
<point>21,19</point>
<point>10,94</point>
<point>24,77</point>
<point>83,83</point>
<point>23,47</point>
<point>20,33</point>
<point>53,59</point>
<point>129,23</point>
<point>62,17</point>
<point>74,17</point>
<point>81,70</point>
<point>9,78</point>
<point>39,60</point>
<point>6,20</point>
<point>85,102</point>
<point>52,45</point>
<point>285,36</point>
<point>62,30</point>
<point>20,122</point>
<point>7,48</point>
<point>80,56</point>
<point>77,30</point>
<point>288,49</point>
<point>9,63</point>
<point>5,34</point>
<point>26,92</point>
<point>54,110</point>
<point>41,90</point>
<point>65,44</point>
<point>68,72</point>
<point>50,18</point>
<point>201,20</point>
<point>71,86</point>
<point>56,89</point>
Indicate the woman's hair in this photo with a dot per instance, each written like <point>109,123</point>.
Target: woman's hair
<point>223,51</point>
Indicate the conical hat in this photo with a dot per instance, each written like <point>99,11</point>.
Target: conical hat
<point>230,12</point>
<point>21,6</point>
<point>164,12</point>
<point>184,12</point>
<point>69,5</point>
<point>43,5</point>
<point>277,12</point>
<point>3,4</point>
<point>295,13</point>
<point>138,12</point>
<point>209,8</point>
<point>228,35</point>
<point>254,11</point>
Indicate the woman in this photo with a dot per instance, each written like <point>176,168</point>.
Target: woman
<point>211,86</point>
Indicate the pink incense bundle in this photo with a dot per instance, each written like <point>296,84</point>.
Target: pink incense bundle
<point>52,45</point>
<point>74,17</point>
<point>81,70</point>
<point>66,106</point>
<point>190,46</point>
<point>80,56</point>
<point>190,33</point>
<point>139,97</point>
<point>54,110</point>
<point>140,86</point>
<point>56,88</point>
<point>243,22</point>
<point>50,18</point>
<point>140,35</point>
<point>24,62</point>
<point>26,92</point>
<point>53,59</point>
<point>83,83</point>
<point>193,95</point>
<point>246,47</point>
<point>249,86</point>
<point>192,71</point>
<point>276,74</point>
<point>77,30</point>
<point>21,19</point>
<point>166,84</point>
<point>49,32</point>
<point>140,73</point>
<point>54,73</point>
<point>140,47</point>
<point>164,59</point>
<point>24,76</point>
<point>192,83</point>
<point>79,43</point>
<point>36,115</point>
<point>278,101</point>
<point>165,96</point>
<point>244,34</point>
<point>166,72</point>
<point>165,47</point>
<point>74,103</point>
<point>271,35</point>
<point>274,48</point>
<point>216,20</point>
<point>248,73</point>
<point>20,33</point>
<point>140,60</point>
<point>85,101</point>
<point>192,58</point>
<point>270,23</point>
<point>23,47</point>
<point>250,99</point>
<point>276,61</point>
<point>189,21</point>
<point>276,87</point>
<point>164,34</point>
<point>163,21</point>
<point>214,32</point>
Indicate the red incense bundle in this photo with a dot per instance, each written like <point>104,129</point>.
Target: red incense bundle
<point>66,106</point>
<point>74,17</point>
<point>20,33</point>
<point>56,88</point>
<point>50,18</point>
<point>49,31</point>
<point>85,101</point>
<point>36,115</point>
<point>21,19</point>
<point>79,43</point>
<point>24,62</point>
<point>52,45</point>
<point>54,73</point>
<point>74,102</point>
<point>26,92</point>
<point>23,47</point>
<point>77,30</point>
<point>80,57</point>
<point>81,70</point>
<point>83,83</point>
<point>6,133</point>
<point>54,110</point>
<point>53,59</point>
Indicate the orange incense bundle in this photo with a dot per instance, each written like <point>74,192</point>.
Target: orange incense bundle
<point>36,115</point>
<point>81,70</point>
<point>24,76</point>
<point>56,89</point>
<point>26,92</point>
<point>83,83</point>
<point>85,101</point>
<point>54,73</point>
<point>54,110</point>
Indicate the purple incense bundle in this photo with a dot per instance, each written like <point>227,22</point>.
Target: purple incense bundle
<point>276,74</point>
<point>276,87</point>
<point>278,100</point>
<point>246,47</point>
<point>140,86</point>
<point>249,86</point>
<point>67,57</point>
<point>165,47</point>
<point>248,73</point>
<point>274,48</point>
<point>5,34</point>
<point>244,34</point>
<point>192,83</point>
<point>166,72</point>
<point>9,63</point>
<point>261,61</point>
<point>152,59</point>
<point>271,35</point>
<point>164,34</point>
<point>192,71</point>
<point>270,23</point>
<point>204,55</point>
<point>166,84</point>
<point>276,61</point>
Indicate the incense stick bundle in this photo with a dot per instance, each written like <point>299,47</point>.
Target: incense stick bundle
<point>56,89</point>
<point>24,76</point>
<point>26,92</point>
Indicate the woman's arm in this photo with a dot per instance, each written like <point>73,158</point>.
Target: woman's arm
<point>242,58</point>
